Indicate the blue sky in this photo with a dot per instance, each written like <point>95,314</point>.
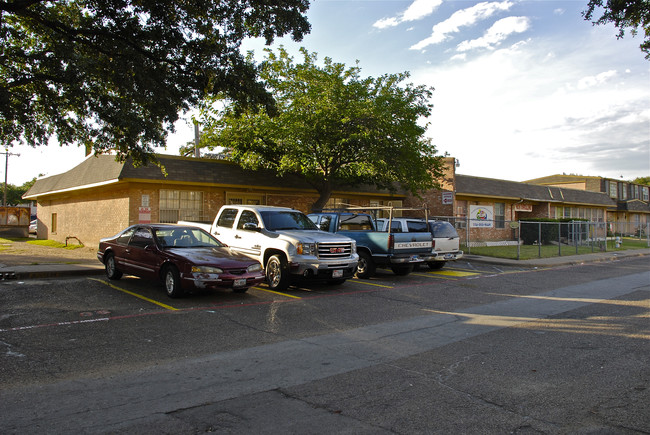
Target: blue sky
<point>523,89</point>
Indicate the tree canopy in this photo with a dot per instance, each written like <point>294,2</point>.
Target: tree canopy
<point>629,15</point>
<point>114,74</point>
<point>332,126</point>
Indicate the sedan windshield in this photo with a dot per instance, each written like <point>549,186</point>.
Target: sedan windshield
<point>286,220</point>
<point>185,237</point>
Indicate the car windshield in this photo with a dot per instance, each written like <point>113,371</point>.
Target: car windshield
<point>286,220</point>
<point>442,229</point>
<point>185,237</point>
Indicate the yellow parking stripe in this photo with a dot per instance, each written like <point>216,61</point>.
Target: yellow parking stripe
<point>277,293</point>
<point>455,273</point>
<point>371,283</point>
<point>160,304</point>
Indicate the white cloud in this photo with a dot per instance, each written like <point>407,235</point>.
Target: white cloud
<point>496,34</point>
<point>513,108</point>
<point>462,18</point>
<point>416,11</point>
<point>591,81</point>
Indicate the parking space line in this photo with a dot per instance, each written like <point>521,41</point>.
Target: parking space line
<point>160,304</point>
<point>431,275</point>
<point>371,283</point>
<point>277,293</point>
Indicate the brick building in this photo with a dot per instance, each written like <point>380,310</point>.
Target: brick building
<point>630,211</point>
<point>101,196</point>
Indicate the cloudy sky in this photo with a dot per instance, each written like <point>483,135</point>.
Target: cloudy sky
<point>523,89</point>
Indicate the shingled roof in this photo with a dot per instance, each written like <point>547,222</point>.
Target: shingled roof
<point>488,187</point>
<point>104,170</point>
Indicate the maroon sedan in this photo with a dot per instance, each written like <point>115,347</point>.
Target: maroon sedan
<point>182,257</point>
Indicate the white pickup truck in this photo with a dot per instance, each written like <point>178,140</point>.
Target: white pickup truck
<point>446,242</point>
<point>286,242</point>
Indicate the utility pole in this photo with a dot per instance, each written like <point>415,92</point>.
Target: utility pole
<point>7,154</point>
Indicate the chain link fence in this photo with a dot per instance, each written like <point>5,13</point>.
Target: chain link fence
<point>546,238</point>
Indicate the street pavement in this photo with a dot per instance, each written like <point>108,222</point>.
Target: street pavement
<point>85,266</point>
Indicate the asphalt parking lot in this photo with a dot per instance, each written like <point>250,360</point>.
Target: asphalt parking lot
<point>475,348</point>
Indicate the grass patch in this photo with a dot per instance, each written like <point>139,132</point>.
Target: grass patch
<point>53,244</point>
<point>529,252</point>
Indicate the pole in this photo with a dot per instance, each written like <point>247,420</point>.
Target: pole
<point>4,201</point>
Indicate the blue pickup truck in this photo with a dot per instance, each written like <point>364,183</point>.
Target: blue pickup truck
<point>399,252</point>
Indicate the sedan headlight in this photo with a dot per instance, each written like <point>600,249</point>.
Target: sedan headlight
<point>306,248</point>
<point>206,269</point>
<point>254,268</point>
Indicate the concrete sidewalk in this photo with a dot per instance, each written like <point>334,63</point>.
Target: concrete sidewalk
<point>85,267</point>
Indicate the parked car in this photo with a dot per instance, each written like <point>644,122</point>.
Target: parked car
<point>182,257</point>
<point>33,226</point>
<point>446,242</point>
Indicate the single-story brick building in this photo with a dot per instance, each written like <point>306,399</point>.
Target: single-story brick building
<point>101,196</point>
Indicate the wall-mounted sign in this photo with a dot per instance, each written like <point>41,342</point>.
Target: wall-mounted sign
<point>481,216</point>
<point>145,201</point>
<point>447,198</point>
<point>144,215</point>
<point>523,207</point>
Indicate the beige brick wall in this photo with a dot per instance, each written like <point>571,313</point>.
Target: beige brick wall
<point>88,218</point>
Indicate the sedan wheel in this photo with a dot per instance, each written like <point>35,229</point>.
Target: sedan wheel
<point>111,268</point>
<point>172,281</point>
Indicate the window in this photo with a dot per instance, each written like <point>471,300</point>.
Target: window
<point>499,215</point>
<point>123,238</point>
<point>141,238</point>
<point>54,223</point>
<point>227,218</point>
<point>247,217</point>
<point>178,205</point>
<point>417,227</point>
<point>646,191</point>
<point>623,192</point>
<point>613,189</point>
<point>244,198</point>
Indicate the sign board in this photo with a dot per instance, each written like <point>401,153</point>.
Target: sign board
<point>523,207</point>
<point>447,198</point>
<point>481,216</point>
<point>144,215</point>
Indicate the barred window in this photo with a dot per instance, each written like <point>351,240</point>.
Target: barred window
<point>180,205</point>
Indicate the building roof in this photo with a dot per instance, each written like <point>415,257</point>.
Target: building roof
<point>634,205</point>
<point>560,178</point>
<point>492,188</point>
<point>105,170</point>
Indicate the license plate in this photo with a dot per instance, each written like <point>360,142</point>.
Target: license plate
<point>449,256</point>
<point>338,273</point>
<point>415,258</point>
<point>241,282</point>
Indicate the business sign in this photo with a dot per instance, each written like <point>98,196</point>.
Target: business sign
<point>447,198</point>
<point>523,207</point>
<point>481,216</point>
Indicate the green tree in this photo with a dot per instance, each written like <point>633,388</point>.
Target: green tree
<point>15,193</point>
<point>625,14</point>
<point>642,180</point>
<point>114,74</point>
<point>333,127</point>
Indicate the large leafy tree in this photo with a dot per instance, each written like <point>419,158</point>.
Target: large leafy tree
<point>114,74</point>
<point>332,126</point>
<point>629,15</point>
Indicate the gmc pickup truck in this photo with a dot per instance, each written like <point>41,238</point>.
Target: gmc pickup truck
<point>446,242</point>
<point>286,242</point>
<point>397,251</point>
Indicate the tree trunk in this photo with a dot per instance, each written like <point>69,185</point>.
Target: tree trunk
<point>325,193</point>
